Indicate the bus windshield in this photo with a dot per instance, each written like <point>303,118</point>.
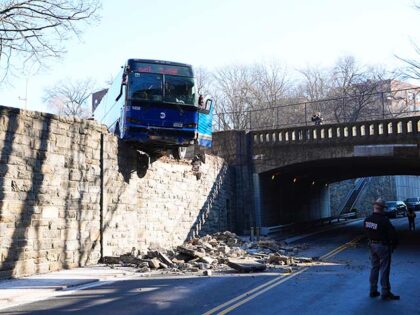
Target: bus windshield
<point>179,90</point>
<point>149,87</point>
<point>145,86</point>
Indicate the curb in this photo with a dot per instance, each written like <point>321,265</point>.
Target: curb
<point>73,285</point>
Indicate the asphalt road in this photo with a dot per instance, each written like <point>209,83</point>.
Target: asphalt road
<point>338,286</point>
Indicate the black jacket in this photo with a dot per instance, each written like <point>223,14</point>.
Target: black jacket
<point>379,228</point>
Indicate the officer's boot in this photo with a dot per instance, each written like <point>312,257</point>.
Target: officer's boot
<point>389,296</point>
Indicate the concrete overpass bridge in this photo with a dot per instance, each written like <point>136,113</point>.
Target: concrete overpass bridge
<point>287,171</point>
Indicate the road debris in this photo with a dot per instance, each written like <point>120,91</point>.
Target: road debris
<point>246,265</point>
<point>219,252</point>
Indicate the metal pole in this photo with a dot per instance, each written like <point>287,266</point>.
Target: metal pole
<point>223,121</point>
<point>383,105</point>
<point>101,197</point>
<point>306,114</point>
<point>257,199</point>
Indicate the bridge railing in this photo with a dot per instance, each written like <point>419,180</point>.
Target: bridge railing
<point>358,107</point>
<point>397,127</point>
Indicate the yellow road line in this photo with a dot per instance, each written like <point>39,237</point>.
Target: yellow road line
<point>232,307</point>
<point>242,296</point>
<point>341,248</point>
<point>251,294</point>
<point>332,253</point>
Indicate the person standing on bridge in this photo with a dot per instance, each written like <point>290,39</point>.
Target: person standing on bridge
<point>382,242</point>
<point>317,119</point>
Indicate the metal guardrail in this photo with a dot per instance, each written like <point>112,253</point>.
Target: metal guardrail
<point>291,227</point>
<point>269,230</point>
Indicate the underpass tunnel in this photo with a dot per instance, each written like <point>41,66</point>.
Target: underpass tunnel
<point>301,192</point>
<point>286,199</point>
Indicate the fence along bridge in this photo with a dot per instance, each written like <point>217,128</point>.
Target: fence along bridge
<point>366,131</point>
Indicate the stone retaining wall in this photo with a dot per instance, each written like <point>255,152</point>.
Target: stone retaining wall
<point>50,195</point>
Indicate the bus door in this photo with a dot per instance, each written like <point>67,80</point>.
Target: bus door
<point>205,124</point>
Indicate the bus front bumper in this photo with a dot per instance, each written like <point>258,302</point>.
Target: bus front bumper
<point>160,136</point>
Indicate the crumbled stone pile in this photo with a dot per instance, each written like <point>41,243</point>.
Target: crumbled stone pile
<point>219,252</point>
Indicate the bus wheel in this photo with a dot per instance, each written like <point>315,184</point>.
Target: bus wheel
<point>117,131</point>
<point>143,162</point>
<point>179,152</point>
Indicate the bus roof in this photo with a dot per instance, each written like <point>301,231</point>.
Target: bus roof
<point>159,62</point>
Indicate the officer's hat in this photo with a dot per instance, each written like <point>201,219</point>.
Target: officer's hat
<point>380,202</point>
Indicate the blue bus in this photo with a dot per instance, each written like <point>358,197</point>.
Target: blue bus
<point>155,105</point>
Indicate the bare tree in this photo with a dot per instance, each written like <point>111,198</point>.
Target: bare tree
<point>232,92</point>
<point>270,84</point>
<point>246,94</point>
<point>358,86</point>
<point>70,98</point>
<point>270,87</point>
<point>262,96</point>
<point>412,68</point>
<point>34,30</point>
<point>316,84</point>
<point>204,80</point>
<point>346,92</point>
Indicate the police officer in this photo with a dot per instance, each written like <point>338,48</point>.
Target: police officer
<point>382,241</point>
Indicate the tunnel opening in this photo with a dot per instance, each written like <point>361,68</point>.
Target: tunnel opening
<point>301,192</point>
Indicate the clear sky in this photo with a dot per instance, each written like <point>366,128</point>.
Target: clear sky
<point>213,33</point>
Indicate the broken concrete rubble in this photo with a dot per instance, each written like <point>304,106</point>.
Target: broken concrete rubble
<point>219,252</point>
<point>246,265</point>
<point>191,252</point>
<point>154,263</point>
<point>278,259</point>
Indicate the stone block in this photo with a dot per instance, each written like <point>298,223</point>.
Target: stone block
<point>49,213</point>
<point>243,265</point>
<point>154,263</point>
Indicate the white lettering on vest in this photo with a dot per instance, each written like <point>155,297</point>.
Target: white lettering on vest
<point>371,225</point>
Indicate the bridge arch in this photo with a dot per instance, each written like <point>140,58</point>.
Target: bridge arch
<point>299,191</point>
<point>284,171</point>
<point>294,166</point>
